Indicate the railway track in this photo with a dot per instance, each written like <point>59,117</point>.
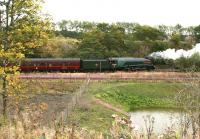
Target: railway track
<point>101,78</point>
<point>168,76</point>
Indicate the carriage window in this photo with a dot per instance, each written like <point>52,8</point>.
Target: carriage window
<point>113,61</point>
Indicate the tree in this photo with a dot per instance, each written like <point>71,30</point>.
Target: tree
<point>146,33</point>
<point>175,39</point>
<point>103,41</point>
<point>22,27</point>
<point>197,34</point>
<point>57,47</point>
<point>74,29</point>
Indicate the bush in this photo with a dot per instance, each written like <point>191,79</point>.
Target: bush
<point>162,63</point>
<point>191,63</point>
<point>188,63</point>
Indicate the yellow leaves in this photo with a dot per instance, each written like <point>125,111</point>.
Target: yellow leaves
<point>10,55</point>
<point>30,27</point>
<point>1,72</point>
<point>19,55</point>
<point>24,28</point>
<point>43,106</point>
<point>12,78</point>
<point>9,69</point>
<point>30,45</point>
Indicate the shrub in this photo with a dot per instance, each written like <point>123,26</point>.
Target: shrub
<point>188,63</point>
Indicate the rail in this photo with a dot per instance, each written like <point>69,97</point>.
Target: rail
<point>112,78</point>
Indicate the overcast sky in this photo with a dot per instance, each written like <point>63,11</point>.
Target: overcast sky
<point>150,12</point>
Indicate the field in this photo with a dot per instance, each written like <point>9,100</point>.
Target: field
<point>127,96</point>
<point>133,95</point>
<point>91,113</point>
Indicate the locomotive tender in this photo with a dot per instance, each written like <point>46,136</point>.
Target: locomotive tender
<point>77,64</point>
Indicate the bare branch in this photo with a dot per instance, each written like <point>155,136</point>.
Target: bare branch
<point>18,15</point>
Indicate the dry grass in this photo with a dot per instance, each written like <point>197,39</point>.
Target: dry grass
<point>24,127</point>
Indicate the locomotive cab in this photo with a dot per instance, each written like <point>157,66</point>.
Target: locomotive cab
<point>113,63</point>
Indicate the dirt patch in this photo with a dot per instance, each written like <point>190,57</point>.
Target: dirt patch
<point>54,104</point>
<point>107,105</point>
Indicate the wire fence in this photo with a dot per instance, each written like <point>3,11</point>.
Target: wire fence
<point>75,98</point>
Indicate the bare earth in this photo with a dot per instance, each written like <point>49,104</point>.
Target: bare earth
<point>108,106</point>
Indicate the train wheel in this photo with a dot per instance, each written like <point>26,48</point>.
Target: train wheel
<point>133,69</point>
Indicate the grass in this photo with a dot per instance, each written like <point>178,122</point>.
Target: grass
<point>125,95</point>
<point>54,94</point>
<point>48,86</point>
<point>91,116</point>
<point>94,117</point>
<point>137,95</point>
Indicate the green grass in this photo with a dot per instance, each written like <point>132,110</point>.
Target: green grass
<point>93,117</point>
<point>125,95</point>
<point>137,95</point>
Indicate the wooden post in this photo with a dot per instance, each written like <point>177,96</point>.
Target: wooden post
<point>100,65</point>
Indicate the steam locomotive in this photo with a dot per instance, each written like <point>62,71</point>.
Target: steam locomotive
<point>77,64</point>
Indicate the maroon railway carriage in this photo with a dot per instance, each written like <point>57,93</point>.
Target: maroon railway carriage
<point>48,64</point>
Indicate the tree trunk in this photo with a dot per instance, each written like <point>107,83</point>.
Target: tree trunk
<point>4,97</point>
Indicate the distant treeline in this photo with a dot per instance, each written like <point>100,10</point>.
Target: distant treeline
<point>102,40</point>
<point>183,63</point>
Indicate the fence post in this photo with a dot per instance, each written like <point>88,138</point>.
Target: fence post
<point>67,110</point>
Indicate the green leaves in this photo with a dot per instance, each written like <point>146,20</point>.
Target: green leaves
<point>103,41</point>
<point>197,34</point>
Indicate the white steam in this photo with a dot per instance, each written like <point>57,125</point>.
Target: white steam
<point>174,54</point>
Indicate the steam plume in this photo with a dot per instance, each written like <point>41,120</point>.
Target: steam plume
<point>175,54</point>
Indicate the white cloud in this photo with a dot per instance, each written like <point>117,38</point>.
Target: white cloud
<point>152,12</point>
